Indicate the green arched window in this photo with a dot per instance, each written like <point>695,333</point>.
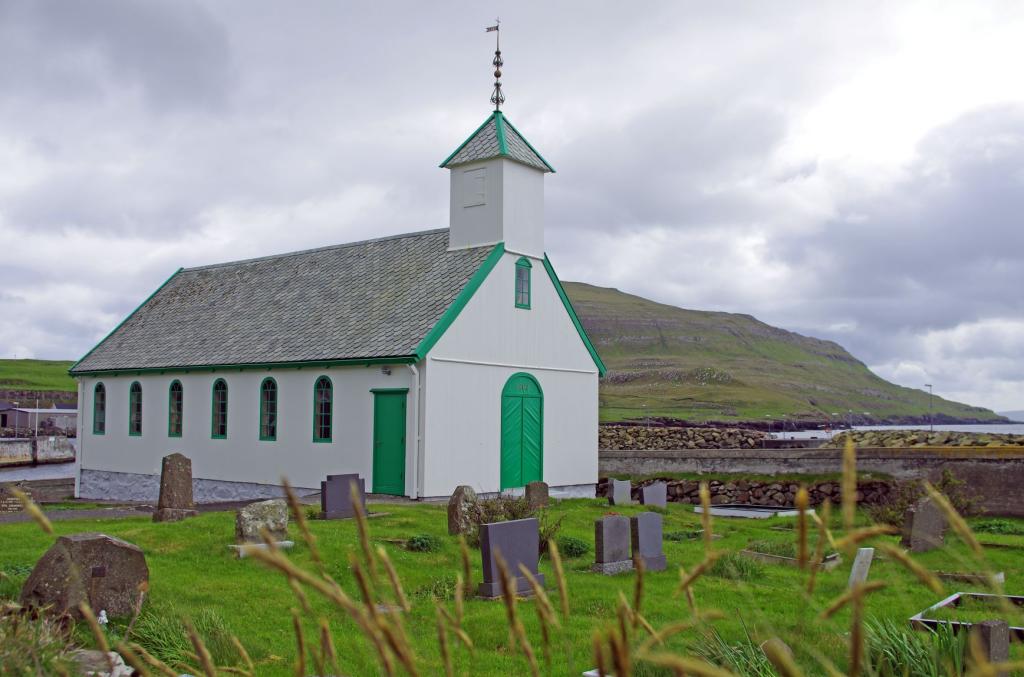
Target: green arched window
<point>135,409</point>
<point>523,267</point>
<point>268,410</point>
<point>323,406</point>
<point>175,408</point>
<point>219,417</point>
<point>99,409</point>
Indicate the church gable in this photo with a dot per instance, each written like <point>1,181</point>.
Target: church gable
<point>366,300</point>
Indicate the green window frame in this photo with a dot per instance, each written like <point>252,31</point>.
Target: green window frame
<point>219,410</point>
<point>135,409</point>
<point>323,410</point>
<point>99,409</point>
<point>268,410</point>
<point>523,270</point>
<point>175,408</point>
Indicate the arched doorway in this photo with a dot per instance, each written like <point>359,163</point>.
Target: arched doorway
<point>522,431</point>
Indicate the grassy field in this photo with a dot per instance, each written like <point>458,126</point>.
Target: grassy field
<point>700,365</point>
<point>193,574</point>
<point>46,375</point>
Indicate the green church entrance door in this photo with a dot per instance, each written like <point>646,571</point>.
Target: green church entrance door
<point>522,431</point>
<point>389,441</point>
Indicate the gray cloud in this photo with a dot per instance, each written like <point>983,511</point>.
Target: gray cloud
<point>140,137</point>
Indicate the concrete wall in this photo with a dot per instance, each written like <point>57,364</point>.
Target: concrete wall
<point>467,369</point>
<point>996,474</point>
<point>241,457</point>
<point>31,451</point>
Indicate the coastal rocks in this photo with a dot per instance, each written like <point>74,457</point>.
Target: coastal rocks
<point>755,492</point>
<point>924,438</point>
<point>628,437</point>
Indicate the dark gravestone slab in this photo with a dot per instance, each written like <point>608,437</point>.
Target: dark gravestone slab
<point>463,508</point>
<point>537,494</point>
<point>619,492</point>
<point>645,534</point>
<point>924,526</point>
<point>995,641</point>
<point>175,490</point>
<point>104,571</point>
<point>518,542</point>
<point>336,496</point>
<point>611,545</point>
<point>8,502</point>
<point>655,493</point>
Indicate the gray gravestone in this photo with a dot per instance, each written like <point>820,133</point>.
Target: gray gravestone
<point>270,515</point>
<point>924,526</point>
<point>175,501</point>
<point>463,507</point>
<point>861,566</point>
<point>336,496</point>
<point>645,534</point>
<point>611,545</point>
<point>537,495</point>
<point>518,542</point>
<point>655,493</point>
<point>995,641</point>
<point>104,571</point>
<point>619,492</point>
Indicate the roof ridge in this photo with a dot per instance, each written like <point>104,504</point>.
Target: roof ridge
<point>313,250</point>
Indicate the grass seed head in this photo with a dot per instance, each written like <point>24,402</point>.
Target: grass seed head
<point>849,483</point>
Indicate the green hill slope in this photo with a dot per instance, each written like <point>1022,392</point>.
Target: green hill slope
<point>699,366</point>
<point>45,375</point>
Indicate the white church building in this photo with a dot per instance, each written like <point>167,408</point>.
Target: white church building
<point>420,361</point>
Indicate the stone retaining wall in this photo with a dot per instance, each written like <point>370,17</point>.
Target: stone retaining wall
<point>751,492</point>
<point>995,474</point>
<point>665,437</point>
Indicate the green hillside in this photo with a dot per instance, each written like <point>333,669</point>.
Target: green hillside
<point>48,375</point>
<point>697,365</point>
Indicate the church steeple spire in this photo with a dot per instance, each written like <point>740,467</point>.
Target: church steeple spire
<point>497,97</point>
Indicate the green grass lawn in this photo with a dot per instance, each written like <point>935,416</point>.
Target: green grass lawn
<point>193,573</point>
<point>47,375</point>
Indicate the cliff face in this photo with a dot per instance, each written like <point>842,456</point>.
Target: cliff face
<point>698,366</point>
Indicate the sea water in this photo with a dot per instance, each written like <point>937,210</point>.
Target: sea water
<point>995,428</point>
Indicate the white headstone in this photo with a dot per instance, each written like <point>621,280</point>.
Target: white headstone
<point>861,566</point>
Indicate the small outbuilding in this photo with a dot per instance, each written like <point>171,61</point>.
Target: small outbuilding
<point>421,361</point>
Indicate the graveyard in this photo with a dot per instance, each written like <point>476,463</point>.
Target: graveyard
<point>194,574</point>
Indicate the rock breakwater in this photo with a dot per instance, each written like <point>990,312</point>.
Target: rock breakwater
<point>628,437</point>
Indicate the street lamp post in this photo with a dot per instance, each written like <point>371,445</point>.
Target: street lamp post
<point>931,426</point>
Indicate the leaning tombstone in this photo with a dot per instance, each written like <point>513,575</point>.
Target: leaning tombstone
<point>924,526</point>
<point>861,566</point>
<point>463,508</point>
<point>336,496</point>
<point>994,639</point>
<point>611,545</point>
<point>255,518</point>
<point>175,501</point>
<point>645,534</point>
<point>106,572</point>
<point>537,495</point>
<point>619,492</point>
<point>655,494</point>
<point>517,542</point>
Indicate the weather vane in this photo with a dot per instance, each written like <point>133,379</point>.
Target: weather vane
<point>497,98</point>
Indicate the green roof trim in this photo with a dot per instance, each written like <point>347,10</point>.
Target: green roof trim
<point>601,369</point>
<point>121,323</point>
<point>460,301</point>
<point>501,135</point>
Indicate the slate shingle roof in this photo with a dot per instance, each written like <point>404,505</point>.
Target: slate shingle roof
<point>497,138</point>
<point>370,299</point>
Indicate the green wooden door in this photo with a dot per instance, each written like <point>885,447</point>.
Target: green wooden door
<point>522,431</point>
<point>389,442</point>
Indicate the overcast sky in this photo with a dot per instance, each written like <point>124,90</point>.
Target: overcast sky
<point>851,171</point>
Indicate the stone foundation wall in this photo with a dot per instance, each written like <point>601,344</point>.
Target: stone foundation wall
<point>994,474</point>
<point>759,492</point>
<point>138,488</point>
